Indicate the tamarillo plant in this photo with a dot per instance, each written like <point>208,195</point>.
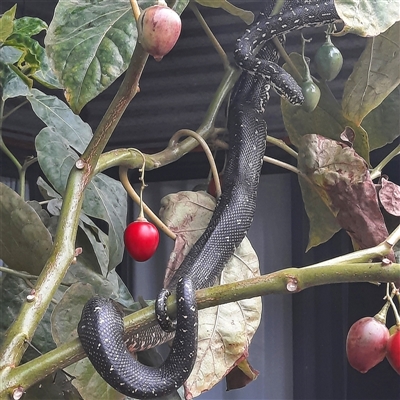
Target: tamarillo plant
<point>56,256</point>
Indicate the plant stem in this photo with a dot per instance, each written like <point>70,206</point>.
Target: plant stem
<point>16,108</point>
<point>19,274</point>
<point>210,35</point>
<point>24,326</point>
<point>187,132</point>
<point>377,171</point>
<point>286,281</point>
<point>124,156</point>
<point>123,177</point>
<point>282,145</point>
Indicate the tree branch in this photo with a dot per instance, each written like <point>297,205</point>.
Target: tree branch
<point>23,328</point>
<point>286,281</point>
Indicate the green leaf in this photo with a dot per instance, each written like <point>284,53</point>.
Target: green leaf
<point>105,198</point>
<point>367,17</point>
<point>56,386</point>
<point>65,318</point>
<point>9,55</point>
<point>179,6</point>
<point>374,76</point>
<point>13,292</point>
<point>6,23</point>
<point>246,16</point>
<point>327,119</point>
<point>57,115</point>
<point>29,26</point>
<point>25,243</point>
<point>383,123</point>
<point>33,60</point>
<point>323,224</point>
<point>13,85</point>
<point>90,45</point>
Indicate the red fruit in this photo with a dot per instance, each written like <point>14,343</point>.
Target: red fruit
<point>141,239</point>
<point>393,350</point>
<point>366,343</point>
<point>159,28</point>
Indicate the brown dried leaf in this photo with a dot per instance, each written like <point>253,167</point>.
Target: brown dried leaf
<point>187,215</point>
<point>389,195</point>
<point>342,178</point>
<point>225,332</point>
<point>240,376</point>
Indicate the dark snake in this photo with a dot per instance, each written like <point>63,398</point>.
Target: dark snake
<point>101,329</point>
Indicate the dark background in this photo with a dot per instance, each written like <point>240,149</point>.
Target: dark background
<point>175,94</point>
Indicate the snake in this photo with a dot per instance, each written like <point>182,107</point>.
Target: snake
<point>101,329</point>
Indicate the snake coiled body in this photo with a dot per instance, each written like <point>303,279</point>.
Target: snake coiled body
<point>101,327</point>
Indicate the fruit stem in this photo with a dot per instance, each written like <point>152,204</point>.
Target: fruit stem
<point>210,35</point>
<point>381,315</point>
<point>187,132</point>
<point>389,299</point>
<point>307,76</point>
<point>295,72</point>
<point>135,9</point>
<point>123,176</point>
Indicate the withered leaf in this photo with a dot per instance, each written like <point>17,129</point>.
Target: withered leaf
<point>389,195</point>
<point>342,178</point>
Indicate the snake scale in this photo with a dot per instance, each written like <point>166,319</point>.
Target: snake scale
<point>101,326</point>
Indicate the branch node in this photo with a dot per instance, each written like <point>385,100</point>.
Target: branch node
<point>292,285</point>
<point>80,164</point>
<point>31,296</point>
<point>18,392</point>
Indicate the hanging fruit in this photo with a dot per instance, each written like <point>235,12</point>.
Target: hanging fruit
<point>159,28</point>
<point>310,90</point>
<point>328,60</point>
<point>393,348</point>
<point>141,237</point>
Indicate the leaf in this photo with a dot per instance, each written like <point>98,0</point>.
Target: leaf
<point>367,17</point>
<point>389,196</point>
<point>327,119</point>
<point>342,178</point>
<point>105,198</point>
<point>93,240</point>
<point>323,224</point>
<point>175,209</point>
<point>65,318</point>
<point>383,122</point>
<point>13,85</point>
<point>29,26</point>
<point>375,75</point>
<point>13,292</point>
<point>25,243</point>
<point>90,44</point>
<point>246,16</point>
<point>6,23</point>
<point>56,114</point>
<point>240,376</point>
<point>225,332</point>
<point>56,386</point>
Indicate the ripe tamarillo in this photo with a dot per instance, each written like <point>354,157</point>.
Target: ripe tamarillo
<point>159,28</point>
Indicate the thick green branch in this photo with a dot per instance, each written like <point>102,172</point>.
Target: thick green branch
<point>286,281</point>
<point>23,328</point>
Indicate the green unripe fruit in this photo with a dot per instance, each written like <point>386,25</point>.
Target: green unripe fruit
<point>329,60</point>
<point>311,95</point>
